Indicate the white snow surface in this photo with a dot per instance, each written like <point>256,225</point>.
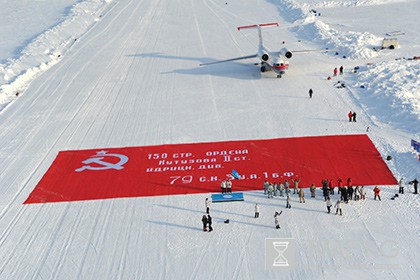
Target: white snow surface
<point>108,73</point>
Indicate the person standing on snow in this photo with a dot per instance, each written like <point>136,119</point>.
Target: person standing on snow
<point>325,189</point>
<point>357,193</point>
<point>281,188</point>
<point>335,71</point>
<point>275,189</point>
<point>257,211</point>
<point>350,115</point>
<point>341,69</point>
<point>301,196</point>
<point>265,186</point>
<point>228,186</point>
<point>204,220</point>
<point>310,93</point>
<point>288,202</point>
<point>363,193</point>
<point>209,223</point>
<point>286,186</point>
<point>415,184</point>
<point>277,219</point>
<point>295,186</point>
<point>207,202</point>
<point>344,195</point>
<point>329,204</point>
<point>401,185</point>
<point>338,206</point>
<point>331,187</point>
<point>312,188</point>
<point>354,116</point>
<point>339,185</point>
<point>270,190</point>
<point>223,186</point>
<point>350,191</point>
<point>377,191</point>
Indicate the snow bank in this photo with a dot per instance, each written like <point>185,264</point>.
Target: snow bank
<point>348,3</point>
<point>309,26</point>
<point>48,48</point>
<point>397,82</point>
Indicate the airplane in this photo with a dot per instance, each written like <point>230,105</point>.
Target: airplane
<point>270,61</point>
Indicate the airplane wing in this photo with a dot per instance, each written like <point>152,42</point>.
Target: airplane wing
<point>231,59</point>
<point>280,53</point>
<point>310,51</point>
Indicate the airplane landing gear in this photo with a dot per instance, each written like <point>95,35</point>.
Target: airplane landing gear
<point>263,69</point>
<point>279,76</point>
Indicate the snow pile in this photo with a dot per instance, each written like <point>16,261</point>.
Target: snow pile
<point>48,48</point>
<point>348,3</point>
<point>309,26</point>
<point>355,45</point>
<point>396,81</point>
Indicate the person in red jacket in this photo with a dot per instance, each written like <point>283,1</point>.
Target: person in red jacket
<point>331,187</point>
<point>349,182</point>
<point>377,191</point>
<point>350,115</point>
<point>339,185</point>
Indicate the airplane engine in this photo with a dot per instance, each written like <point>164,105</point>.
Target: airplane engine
<point>263,55</point>
<point>286,53</point>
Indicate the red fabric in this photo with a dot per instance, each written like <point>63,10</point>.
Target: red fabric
<point>200,167</point>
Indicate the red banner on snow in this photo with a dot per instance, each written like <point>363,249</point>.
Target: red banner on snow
<point>200,168</point>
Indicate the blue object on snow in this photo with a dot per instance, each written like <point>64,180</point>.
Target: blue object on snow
<point>235,174</point>
<point>227,197</point>
<point>415,145</point>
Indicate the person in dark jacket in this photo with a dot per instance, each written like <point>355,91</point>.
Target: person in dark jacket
<point>344,195</point>
<point>209,222</point>
<point>354,116</point>
<point>415,184</point>
<point>325,191</point>
<point>310,93</point>
<point>204,220</point>
<point>350,191</point>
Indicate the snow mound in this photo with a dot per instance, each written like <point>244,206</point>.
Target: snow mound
<point>353,45</point>
<point>48,48</point>
<point>396,81</point>
<point>348,3</point>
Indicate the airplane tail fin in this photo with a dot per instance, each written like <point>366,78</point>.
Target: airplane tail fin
<point>258,27</point>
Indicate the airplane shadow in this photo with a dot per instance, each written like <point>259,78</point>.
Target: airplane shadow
<point>179,208</point>
<point>235,70</point>
<point>174,225</point>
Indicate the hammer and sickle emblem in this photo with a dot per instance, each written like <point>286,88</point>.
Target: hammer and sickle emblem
<point>103,165</point>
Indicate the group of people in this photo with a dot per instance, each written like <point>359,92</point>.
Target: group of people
<point>335,71</point>
<point>347,192</point>
<point>207,223</point>
<point>226,186</point>
<point>352,116</point>
<point>281,188</point>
